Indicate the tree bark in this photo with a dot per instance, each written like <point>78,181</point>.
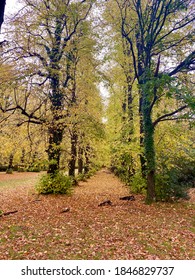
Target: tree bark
<point>87,159</point>
<point>80,160</point>
<point>54,151</point>
<point>149,150</point>
<point>72,162</point>
<point>141,139</point>
<point>55,128</point>
<point>11,158</point>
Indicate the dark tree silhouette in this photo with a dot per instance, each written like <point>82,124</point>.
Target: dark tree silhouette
<point>2,10</point>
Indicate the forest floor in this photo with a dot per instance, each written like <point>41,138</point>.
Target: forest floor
<point>123,230</point>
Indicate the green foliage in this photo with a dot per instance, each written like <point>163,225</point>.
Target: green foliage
<point>21,169</point>
<point>91,172</point>
<point>33,168</point>
<point>80,177</point>
<point>124,161</point>
<point>55,184</point>
<point>138,183</point>
<point>175,156</point>
<point>169,187</point>
<point>173,183</point>
<point>84,176</point>
<point>123,173</point>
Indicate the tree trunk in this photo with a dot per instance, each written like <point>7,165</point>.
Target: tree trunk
<point>151,194</point>
<point>87,160</point>
<point>72,162</point>
<point>149,152</point>
<point>11,158</point>
<point>142,158</point>
<point>80,160</point>
<point>22,159</point>
<point>56,129</point>
<point>54,151</point>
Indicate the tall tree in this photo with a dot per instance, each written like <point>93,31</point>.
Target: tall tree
<point>120,80</point>
<point>41,46</point>
<point>154,30</point>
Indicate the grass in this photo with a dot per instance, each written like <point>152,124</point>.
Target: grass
<point>11,181</point>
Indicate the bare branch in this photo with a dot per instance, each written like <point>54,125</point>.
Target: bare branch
<point>166,116</point>
<point>186,65</point>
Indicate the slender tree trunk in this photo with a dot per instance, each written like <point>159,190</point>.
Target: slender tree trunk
<point>142,158</point>
<point>80,160</point>
<point>22,159</point>
<point>87,159</point>
<point>72,162</point>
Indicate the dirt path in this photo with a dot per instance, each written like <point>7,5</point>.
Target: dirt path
<point>123,230</point>
<point>103,186</point>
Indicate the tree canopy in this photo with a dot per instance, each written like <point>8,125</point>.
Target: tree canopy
<point>56,55</point>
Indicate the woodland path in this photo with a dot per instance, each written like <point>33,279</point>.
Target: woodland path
<point>123,230</point>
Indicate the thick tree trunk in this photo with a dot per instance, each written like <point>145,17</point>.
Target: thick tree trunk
<point>151,193</point>
<point>54,151</point>
<point>11,158</point>
<point>146,126</point>
<point>149,152</point>
<point>56,129</point>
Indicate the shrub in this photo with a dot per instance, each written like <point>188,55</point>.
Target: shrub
<point>138,183</point>
<point>3,168</point>
<point>55,184</point>
<point>80,177</point>
<point>21,169</point>
<point>174,178</point>
<point>34,168</point>
<point>90,173</point>
<point>169,187</point>
<point>9,171</point>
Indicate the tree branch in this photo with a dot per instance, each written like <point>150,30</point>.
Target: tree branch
<point>185,64</point>
<point>165,117</point>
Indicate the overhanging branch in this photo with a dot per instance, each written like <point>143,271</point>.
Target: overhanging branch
<point>166,116</point>
<point>187,64</point>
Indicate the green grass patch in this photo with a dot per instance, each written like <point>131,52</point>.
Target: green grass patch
<point>16,182</point>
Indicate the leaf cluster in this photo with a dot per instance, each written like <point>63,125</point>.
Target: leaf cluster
<point>55,184</point>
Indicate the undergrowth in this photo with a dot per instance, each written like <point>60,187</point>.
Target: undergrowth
<point>57,183</point>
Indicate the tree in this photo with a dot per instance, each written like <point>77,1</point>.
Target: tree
<point>120,80</point>
<point>154,30</point>
<point>27,150</point>
<point>41,45</point>
<point>2,10</point>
